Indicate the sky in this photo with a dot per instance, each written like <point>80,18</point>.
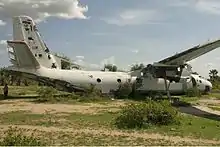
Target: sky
<point>121,32</point>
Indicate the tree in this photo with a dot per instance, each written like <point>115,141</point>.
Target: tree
<point>111,67</point>
<point>213,74</point>
<point>137,67</point>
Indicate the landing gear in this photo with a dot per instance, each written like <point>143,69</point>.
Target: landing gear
<point>167,86</point>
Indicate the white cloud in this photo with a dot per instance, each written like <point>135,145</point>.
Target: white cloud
<point>110,60</point>
<point>208,6</point>
<point>40,10</point>
<point>2,23</point>
<point>181,3</point>
<point>3,42</point>
<point>133,17</point>
<point>80,57</point>
<point>202,6</point>
<point>135,51</point>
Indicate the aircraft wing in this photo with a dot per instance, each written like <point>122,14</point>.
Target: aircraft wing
<point>192,53</point>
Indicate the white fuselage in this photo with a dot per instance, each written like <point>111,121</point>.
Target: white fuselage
<point>107,81</point>
<point>35,52</point>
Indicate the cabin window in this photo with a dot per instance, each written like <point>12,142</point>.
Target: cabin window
<point>24,22</point>
<point>35,55</point>
<point>30,38</point>
<point>200,81</point>
<point>119,80</point>
<point>49,57</point>
<point>99,80</point>
<point>27,29</point>
<point>40,55</point>
<point>53,65</point>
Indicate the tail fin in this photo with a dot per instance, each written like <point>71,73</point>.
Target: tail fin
<point>25,29</point>
<point>23,57</point>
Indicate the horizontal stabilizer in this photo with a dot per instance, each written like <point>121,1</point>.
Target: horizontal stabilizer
<point>23,56</point>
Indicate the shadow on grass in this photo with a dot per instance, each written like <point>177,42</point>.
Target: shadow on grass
<point>10,97</point>
<point>187,108</point>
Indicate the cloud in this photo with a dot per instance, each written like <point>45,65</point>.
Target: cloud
<point>134,17</point>
<point>201,6</point>
<point>109,60</point>
<point>181,3</point>
<point>135,51</point>
<point>40,10</point>
<point>80,57</point>
<point>3,42</point>
<point>2,23</point>
<point>208,6</point>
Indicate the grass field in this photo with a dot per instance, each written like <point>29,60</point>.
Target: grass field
<point>80,123</point>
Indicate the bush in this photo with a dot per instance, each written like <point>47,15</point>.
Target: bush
<point>124,90</point>
<point>193,92</point>
<point>46,93</point>
<point>143,115</point>
<point>14,137</point>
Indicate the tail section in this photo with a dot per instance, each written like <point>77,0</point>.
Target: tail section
<point>25,29</point>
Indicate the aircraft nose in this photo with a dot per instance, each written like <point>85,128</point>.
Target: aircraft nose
<point>210,84</point>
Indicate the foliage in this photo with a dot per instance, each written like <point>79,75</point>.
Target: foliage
<point>193,92</point>
<point>213,74</point>
<point>14,137</point>
<point>91,94</point>
<point>137,67</point>
<point>111,67</point>
<point>46,93</point>
<point>124,90</point>
<point>143,115</point>
<point>13,78</point>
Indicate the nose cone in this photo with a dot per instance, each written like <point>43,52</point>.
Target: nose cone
<point>209,84</point>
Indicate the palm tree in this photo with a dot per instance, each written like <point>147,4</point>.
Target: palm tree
<point>213,74</point>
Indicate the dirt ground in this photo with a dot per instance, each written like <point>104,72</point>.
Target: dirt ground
<point>7,106</point>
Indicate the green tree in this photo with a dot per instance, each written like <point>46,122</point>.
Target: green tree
<point>111,67</point>
<point>213,74</point>
<point>137,67</point>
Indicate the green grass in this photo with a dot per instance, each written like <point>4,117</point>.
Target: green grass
<point>103,120</point>
<point>215,95</point>
<point>217,108</point>
<point>192,126</point>
<point>26,118</point>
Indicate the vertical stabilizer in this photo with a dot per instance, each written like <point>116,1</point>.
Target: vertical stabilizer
<point>25,29</point>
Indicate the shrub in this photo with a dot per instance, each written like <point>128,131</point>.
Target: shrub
<point>193,92</point>
<point>46,93</point>
<point>124,90</point>
<point>14,137</point>
<point>145,114</point>
<point>92,91</point>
